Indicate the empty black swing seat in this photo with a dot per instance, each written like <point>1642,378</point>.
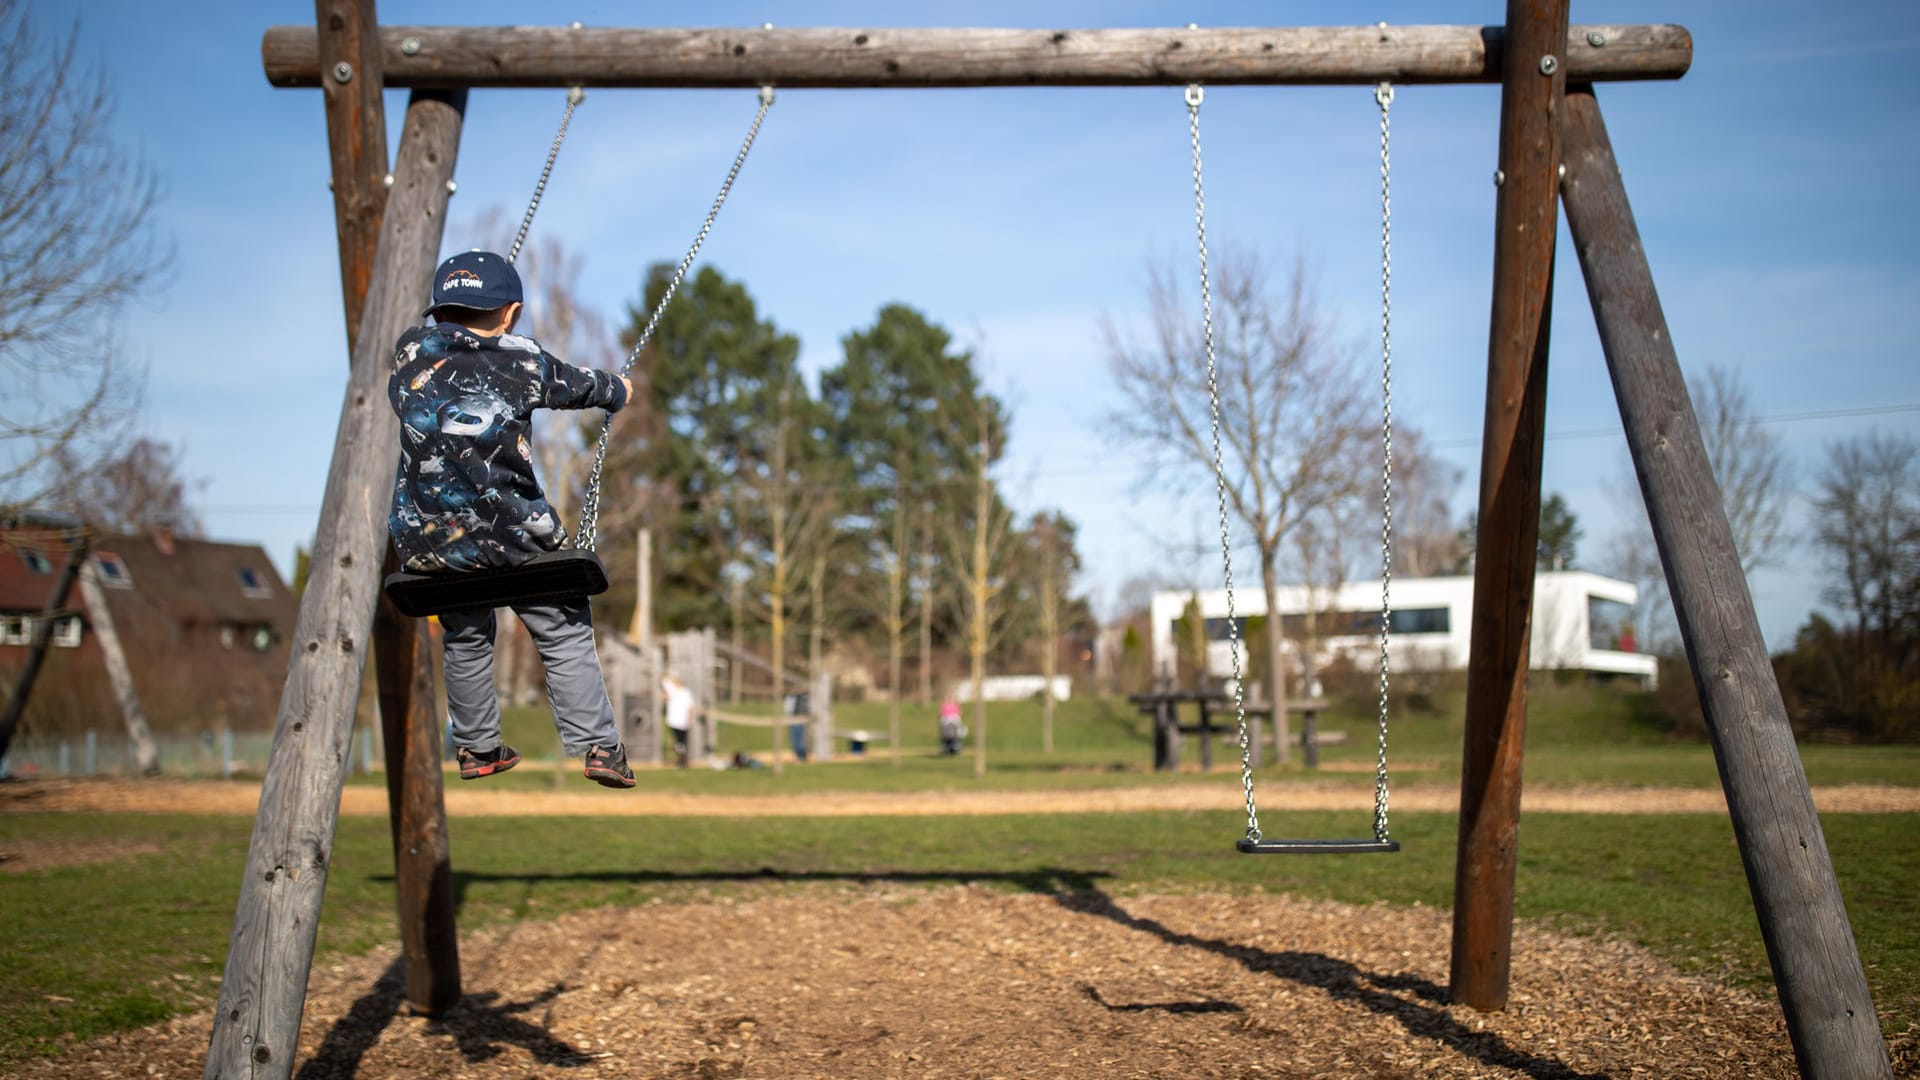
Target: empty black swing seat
<point>1264,846</point>
<point>550,575</point>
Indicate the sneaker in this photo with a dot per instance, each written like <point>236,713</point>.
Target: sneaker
<point>476,764</point>
<point>609,768</point>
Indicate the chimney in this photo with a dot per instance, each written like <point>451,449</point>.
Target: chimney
<point>163,539</point>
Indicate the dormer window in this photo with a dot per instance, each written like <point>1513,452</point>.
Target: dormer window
<point>254,585</point>
<point>37,563</point>
<point>112,570</point>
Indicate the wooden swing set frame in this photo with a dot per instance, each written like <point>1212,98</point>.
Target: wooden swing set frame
<point>1553,147</point>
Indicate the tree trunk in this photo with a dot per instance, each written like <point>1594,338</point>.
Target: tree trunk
<point>1050,640</point>
<point>734,667</point>
<point>816,635</point>
<point>926,611</point>
<point>896,617</point>
<point>982,506</point>
<point>1276,657</point>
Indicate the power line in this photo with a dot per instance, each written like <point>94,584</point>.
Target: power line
<point>1778,418</point>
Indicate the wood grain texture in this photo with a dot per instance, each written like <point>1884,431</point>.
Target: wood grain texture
<point>417,812</point>
<point>532,56</point>
<point>1816,966</point>
<point>257,1020</point>
<point>357,141</point>
<point>1525,220</point>
<point>347,33</point>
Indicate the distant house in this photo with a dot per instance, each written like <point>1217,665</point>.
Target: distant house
<point>1581,622</point>
<point>204,626</point>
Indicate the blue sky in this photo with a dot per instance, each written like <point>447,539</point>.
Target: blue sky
<point>1773,187</point>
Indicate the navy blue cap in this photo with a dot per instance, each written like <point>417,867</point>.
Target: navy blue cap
<point>480,280</point>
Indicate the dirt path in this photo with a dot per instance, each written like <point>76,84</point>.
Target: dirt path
<point>477,800</point>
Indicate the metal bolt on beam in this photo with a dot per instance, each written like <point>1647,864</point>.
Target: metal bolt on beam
<point>1549,65</point>
<point>411,46</point>
<point>1596,39</point>
<point>342,72</point>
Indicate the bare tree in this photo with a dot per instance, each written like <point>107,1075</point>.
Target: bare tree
<point>135,490</point>
<point>1295,425</point>
<point>1756,482</point>
<point>895,618</point>
<point>978,555</point>
<point>789,519</point>
<point>1320,544</point>
<point>1426,538</point>
<point>1867,514</point>
<point>1046,528</point>
<point>1756,487</point>
<point>77,242</point>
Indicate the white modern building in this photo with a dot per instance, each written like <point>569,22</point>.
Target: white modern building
<point>1581,622</point>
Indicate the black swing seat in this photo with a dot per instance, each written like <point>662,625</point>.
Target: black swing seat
<point>550,575</point>
<point>1264,846</point>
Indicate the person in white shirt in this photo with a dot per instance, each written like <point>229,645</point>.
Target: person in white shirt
<point>679,715</point>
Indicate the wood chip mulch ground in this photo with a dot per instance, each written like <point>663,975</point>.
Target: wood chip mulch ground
<point>1066,980</point>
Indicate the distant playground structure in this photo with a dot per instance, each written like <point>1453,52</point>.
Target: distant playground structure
<point>1553,149</point>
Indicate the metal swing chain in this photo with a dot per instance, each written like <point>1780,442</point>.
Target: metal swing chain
<point>1195,94</point>
<point>1383,95</point>
<point>585,539</point>
<point>575,95</point>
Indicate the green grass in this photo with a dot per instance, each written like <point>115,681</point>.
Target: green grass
<point>1576,736</point>
<point>131,940</point>
<point>112,936</point>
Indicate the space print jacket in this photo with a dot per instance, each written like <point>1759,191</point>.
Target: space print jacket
<point>465,496</point>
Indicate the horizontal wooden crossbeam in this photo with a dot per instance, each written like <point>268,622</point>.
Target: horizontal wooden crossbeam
<point>453,57</point>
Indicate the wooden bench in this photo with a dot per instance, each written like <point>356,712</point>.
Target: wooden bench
<point>1168,730</point>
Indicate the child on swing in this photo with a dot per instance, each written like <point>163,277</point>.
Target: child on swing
<point>466,499</point>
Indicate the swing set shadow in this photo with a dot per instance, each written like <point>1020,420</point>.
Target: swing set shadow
<point>481,1021</point>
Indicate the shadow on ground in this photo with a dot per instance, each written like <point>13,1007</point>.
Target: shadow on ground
<point>480,1022</point>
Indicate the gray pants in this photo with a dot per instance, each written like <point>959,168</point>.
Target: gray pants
<point>563,633</point>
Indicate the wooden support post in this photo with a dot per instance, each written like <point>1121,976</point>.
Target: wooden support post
<point>38,640</point>
<point>349,42</point>
<point>1816,966</point>
<point>146,755</point>
<point>650,749</point>
<point>417,815</point>
<point>1166,714</point>
<point>257,1022</point>
<point>1525,221</point>
<point>793,57</point>
<point>1310,736</point>
<point>1206,732</point>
